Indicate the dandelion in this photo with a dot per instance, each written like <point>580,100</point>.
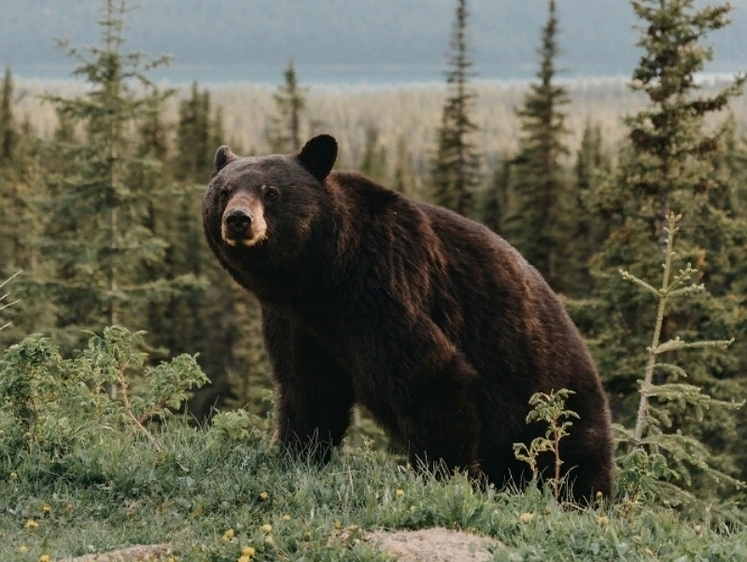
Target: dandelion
<point>46,509</point>
<point>44,558</point>
<point>248,551</point>
<point>31,524</point>
<point>263,496</point>
<point>286,517</point>
<point>399,493</point>
<point>603,519</point>
<point>243,558</point>
<point>526,517</point>
<point>13,475</point>
<point>269,540</point>
<point>266,528</point>
<point>228,535</point>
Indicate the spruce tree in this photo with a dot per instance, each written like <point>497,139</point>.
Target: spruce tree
<point>668,167</point>
<point>539,181</point>
<point>194,139</point>
<point>97,238</point>
<point>373,162</point>
<point>455,169</point>
<point>290,100</point>
<point>8,132</point>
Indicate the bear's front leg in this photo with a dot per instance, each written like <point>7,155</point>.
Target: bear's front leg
<point>430,389</point>
<point>314,394</point>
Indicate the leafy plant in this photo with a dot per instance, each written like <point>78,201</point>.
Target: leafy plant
<point>548,408</point>
<point>57,405</point>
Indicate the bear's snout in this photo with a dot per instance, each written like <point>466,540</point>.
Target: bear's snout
<point>237,222</point>
<point>243,223</point>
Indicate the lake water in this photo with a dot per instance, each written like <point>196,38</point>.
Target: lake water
<point>332,75</point>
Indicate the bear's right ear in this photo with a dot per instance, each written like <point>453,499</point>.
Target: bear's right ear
<point>319,155</point>
<point>223,157</point>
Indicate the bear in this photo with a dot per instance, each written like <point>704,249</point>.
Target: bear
<point>433,322</point>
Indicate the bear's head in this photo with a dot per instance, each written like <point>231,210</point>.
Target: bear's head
<point>260,211</point>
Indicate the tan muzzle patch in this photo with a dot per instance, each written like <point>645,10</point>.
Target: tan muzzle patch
<point>243,222</point>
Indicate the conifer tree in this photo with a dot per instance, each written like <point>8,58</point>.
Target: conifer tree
<point>455,169</point>
<point>536,226</point>
<point>97,239</point>
<point>290,100</point>
<point>8,133</point>
<point>195,142</point>
<point>668,167</point>
<point>373,162</point>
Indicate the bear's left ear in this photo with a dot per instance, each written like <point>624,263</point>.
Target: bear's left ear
<point>223,157</point>
<point>319,155</point>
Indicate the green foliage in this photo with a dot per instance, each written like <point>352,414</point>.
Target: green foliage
<point>58,406</point>
<point>538,218</point>
<point>290,100</point>
<point>550,409</point>
<point>4,301</point>
<point>652,446</point>
<point>455,169</point>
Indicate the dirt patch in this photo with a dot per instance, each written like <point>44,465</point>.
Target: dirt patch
<point>139,553</point>
<point>427,545</point>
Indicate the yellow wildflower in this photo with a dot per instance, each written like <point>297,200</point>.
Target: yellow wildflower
<point>399,493</point>
<point>248,551</point>
<point>44,558</point>
<point>228,535</point>
<point>13,475</point>
<point>46,509</point>
<point>286,517</point>
<point>269,540</point>
<point>526,517</point>
<point>603,519</point>
<point>266,528</point>
<point>263,496</point>
<point>31,524</point>
<point>23,549</point>
<point>243,558</point>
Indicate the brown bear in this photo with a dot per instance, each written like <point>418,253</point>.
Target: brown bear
<point>433,322</point>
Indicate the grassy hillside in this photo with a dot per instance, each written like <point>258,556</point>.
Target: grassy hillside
<point>208,495</point>
<point>82,474</point>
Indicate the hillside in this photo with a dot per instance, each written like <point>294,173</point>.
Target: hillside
<point>597,37</point>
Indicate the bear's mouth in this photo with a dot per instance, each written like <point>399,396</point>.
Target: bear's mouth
<point>247,241</point>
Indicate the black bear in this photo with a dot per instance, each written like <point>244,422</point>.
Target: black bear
<point>433,322</point>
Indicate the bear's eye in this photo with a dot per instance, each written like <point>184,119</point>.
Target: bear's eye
<point>270,193</point>
<point>223,194</point>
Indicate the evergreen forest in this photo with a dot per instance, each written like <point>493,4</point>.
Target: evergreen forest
<point>630,197</point>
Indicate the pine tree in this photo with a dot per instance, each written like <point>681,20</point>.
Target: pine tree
<point>585,230</point>
<point>495,206</point>
<point>668,167</point>
<point>195,142</point>
<point>97,239</point>
<point>538,177</point>
<point>290,100</point>
<point>8,133</point>
<point>373,162</point>
<point>455,169</point>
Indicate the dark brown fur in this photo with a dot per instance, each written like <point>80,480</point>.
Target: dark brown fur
<point>434,323</point>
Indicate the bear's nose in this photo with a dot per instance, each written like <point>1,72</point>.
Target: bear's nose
<point>238,221</point>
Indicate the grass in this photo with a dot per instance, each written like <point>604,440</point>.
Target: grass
<point>210,496</point>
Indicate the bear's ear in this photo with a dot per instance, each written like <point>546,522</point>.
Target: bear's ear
<point>223,157</point>
<point>319,155</point>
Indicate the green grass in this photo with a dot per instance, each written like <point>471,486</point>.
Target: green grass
<point>202,484</point>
